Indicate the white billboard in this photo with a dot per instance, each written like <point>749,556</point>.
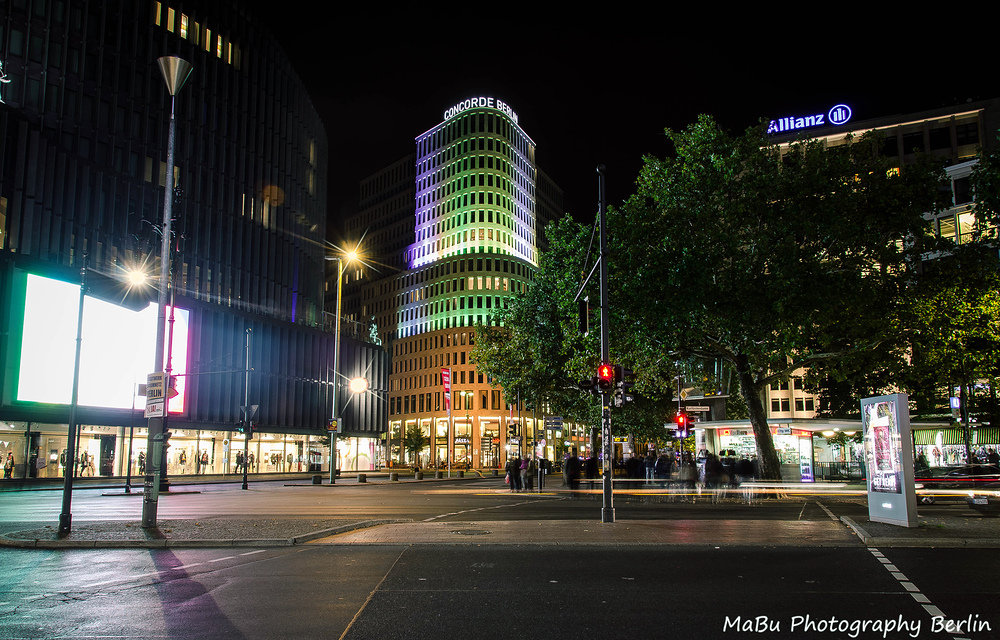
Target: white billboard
<point>116,350</point>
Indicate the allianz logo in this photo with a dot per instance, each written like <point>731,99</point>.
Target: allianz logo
<point>837,115</point>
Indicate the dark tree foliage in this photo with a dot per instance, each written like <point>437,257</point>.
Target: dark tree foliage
<point>772,262</point>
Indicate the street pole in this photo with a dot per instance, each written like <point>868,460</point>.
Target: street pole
<point>246,413</point>
<point>131,433</point>
<point>451,422</point>
<point>336,372</point>
<point>66,515</point>
<point>608,509</point>
<point>175,72</point>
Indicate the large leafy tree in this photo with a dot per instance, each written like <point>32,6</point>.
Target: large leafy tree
<point>533,349</point>
<point>770,261</point>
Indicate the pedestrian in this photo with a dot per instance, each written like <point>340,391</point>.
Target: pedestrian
<point>992,457</point>
<point>688,473</point>
<point>142,463</point>
<point>713,471</point>
<point>523,474</point>
<point>250,464</point>
<point>8,465</point>
<point>530,476</point>
<point>239,461</point>
<point>663,468</point>
<point>512,473</point>
<point>571,471</point>
<point>650,466</point>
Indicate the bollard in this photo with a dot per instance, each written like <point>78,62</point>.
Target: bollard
<point>419,475</point>
<point>362,477</point>
<point>461,474</point>
<point>317,479</point>
<point>495,474</point>
<point>393,476</point>
<point>439,474</point>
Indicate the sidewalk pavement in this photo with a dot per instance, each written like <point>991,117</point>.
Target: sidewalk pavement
<point>961,529</point>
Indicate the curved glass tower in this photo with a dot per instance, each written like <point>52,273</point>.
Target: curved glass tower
<point>474,246</point>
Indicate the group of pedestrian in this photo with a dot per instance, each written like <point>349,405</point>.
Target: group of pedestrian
<point>248,463</point>
<point>520,473</point>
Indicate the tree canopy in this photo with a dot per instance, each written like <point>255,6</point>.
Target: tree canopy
<point>770,259</point>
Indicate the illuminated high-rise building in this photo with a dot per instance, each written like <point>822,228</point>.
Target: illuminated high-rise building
<point>475,221</point>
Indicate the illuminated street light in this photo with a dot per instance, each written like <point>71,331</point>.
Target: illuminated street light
<point>349,256</point>
<point>358,385</point>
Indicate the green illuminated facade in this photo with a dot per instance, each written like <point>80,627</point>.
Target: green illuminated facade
<point>476,216</point>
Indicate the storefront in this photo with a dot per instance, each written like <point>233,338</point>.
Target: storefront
<point>945,446</point>
<point>39,451</point>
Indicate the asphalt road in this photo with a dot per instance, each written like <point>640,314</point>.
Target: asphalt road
<point>403,591</point>
<point>471,588</point>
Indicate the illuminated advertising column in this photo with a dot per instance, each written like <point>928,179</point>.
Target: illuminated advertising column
<point>889,460</point>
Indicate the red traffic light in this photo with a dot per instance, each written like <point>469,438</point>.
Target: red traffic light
<point>681,420</point>
<point>606,376</point>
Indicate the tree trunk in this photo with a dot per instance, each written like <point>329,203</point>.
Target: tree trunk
<point>770,466</point>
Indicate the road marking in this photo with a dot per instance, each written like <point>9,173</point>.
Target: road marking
<point>499,506</point>
<point>250,553</point>
<point>372,594</point>
<point>828,512</point>
<point>911,588</point>
<point>221,559</point>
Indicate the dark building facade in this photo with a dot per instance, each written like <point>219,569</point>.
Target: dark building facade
<point>83,135</point>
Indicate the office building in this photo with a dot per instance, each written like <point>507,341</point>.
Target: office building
<point>83,136</point>
<point>469,204</point>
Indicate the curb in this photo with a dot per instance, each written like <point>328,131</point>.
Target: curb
<point>900,542</point>
<point>164,543</point>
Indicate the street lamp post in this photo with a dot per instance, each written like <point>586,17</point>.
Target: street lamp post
<point>336,360</point>
<point>66,515</point>
<point>175,73</point>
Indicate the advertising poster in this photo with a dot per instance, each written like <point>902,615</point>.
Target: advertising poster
<point>888,459</point>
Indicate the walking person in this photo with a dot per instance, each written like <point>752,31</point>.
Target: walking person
<point>512,472</point>
<point>8,465</point>
<point>650,467</point>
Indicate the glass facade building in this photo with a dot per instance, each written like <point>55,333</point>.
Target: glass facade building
<point>83,135</point>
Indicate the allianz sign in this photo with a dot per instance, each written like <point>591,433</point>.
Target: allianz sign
<point>837,115</point>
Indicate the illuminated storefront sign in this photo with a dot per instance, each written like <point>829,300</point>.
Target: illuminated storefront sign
<point>837,115</point>
<point>475,103</point>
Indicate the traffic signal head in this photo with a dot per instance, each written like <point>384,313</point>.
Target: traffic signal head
<point>682,425</point>
<point>605,376</point>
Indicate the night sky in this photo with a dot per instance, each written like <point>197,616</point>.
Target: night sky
<point>601,87</point>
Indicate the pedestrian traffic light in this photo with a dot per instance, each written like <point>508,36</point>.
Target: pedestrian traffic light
<point>605,377</point>
<point>240,427</point>
<point>589,385</point>
<point>625,380</point>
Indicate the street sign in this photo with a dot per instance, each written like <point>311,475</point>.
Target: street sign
<point>553,422</point>
<point>333,425</point>
<point>155,400</point>
<point>697,409</point>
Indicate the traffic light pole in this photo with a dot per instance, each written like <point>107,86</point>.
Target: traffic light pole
<point>608,508</point>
